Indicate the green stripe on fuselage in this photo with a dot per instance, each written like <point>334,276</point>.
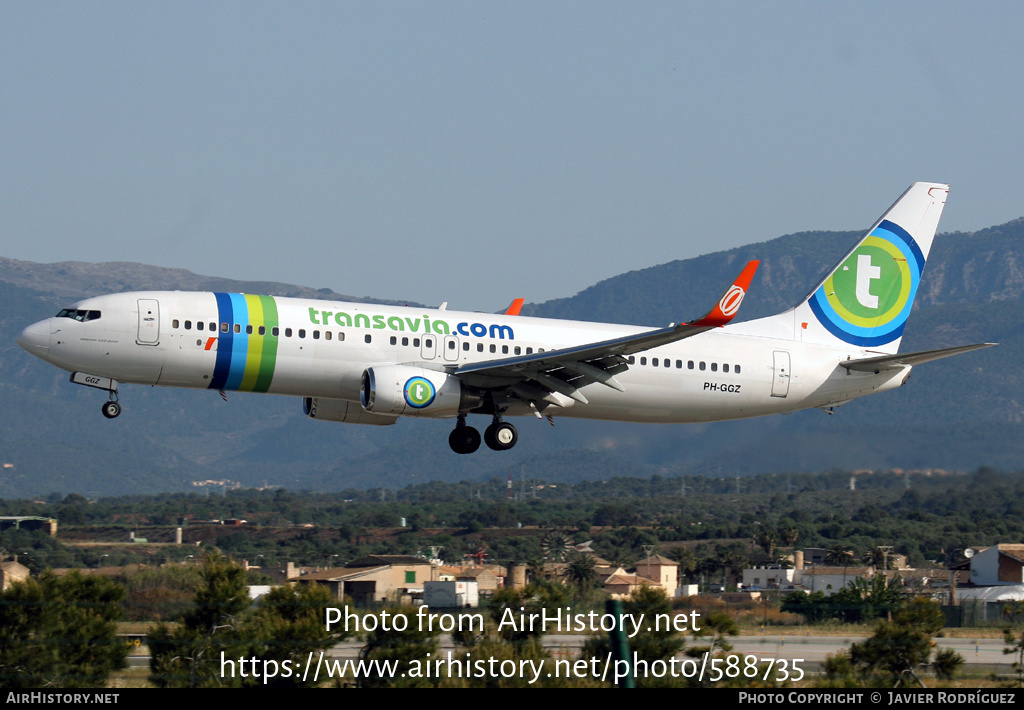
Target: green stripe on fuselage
<point>268,354</point>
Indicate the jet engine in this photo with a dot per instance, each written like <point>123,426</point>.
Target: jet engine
<point>403,390</point>
<point>340,410</point>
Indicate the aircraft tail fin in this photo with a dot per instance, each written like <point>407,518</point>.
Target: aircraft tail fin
<point>866,299</point>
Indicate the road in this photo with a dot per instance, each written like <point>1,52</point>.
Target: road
<point>811,650</point>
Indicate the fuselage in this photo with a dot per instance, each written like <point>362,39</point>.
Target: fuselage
<point>320,349</point>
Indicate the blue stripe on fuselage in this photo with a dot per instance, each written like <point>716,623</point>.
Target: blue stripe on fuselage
<point>240,342</point>
<point>224,342</point>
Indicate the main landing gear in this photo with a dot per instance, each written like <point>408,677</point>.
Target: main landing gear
<point>499,436</point>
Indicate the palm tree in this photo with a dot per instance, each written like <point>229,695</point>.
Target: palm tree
<point>579,572</point>
<point>789,534</point>
<point>838,557</point>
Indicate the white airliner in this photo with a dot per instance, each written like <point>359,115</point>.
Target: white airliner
<point>370,364</point>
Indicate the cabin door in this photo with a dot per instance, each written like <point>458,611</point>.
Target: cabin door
<point>780,382</point>
<point>149,322</point>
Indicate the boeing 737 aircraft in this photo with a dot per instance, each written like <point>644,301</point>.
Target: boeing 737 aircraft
<point>369,364</point>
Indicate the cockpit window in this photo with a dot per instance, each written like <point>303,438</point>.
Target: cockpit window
<point>79,314</point>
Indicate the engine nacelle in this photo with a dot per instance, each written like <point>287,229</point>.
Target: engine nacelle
<point>403,390</point>
<point>340,410</point>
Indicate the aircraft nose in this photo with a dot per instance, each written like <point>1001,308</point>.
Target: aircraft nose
<point>36,338</point>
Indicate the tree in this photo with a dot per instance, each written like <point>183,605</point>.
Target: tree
<point>225,641</point>
<point>1014,639</point>
<point>837,556</point>
<point>189,656</point>
<point>896,651</point>
<point>60,632</point>
<point>287,625</point>
<point>863,599</point>
<point>509,606</point>
<point>579,573</point>
<point>788,532</point>
<point>768,540</point>
<point>407,649</point>
<point>715,627</point>
<point>650,643</point>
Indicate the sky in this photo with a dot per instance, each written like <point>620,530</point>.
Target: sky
<point>474,152</point>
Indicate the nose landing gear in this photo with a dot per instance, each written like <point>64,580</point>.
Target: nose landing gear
<point>111,409</point>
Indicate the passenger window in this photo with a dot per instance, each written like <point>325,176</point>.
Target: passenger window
<point>702,366</point>
<point>248,329</point>
<point>465,347</point>
<point>518,350</point>
<point>451,344</point>
<point>714,367</point>
<point>529,351</point>
<point>287,332</point>
<point>632,359</point>
<point>494,348</point>
<point>368,338</point>
<point>428,342</point>
<point>689,364</point>
<point>643,361</point>
<point>188,325</point>
<point>316,335</point>
<point>504,349</point>
<point>199,325</point>
<point>174,323</point>
<point>654,361</point>
<point>263,329</point>
<point>405,341</point>
<point>679,364</point>
<point>213,326</point>
<point>341,336</point>
<point>238,327</point>
<point>725,368</point>
<point>415,342</point>
<point>736,369</point>
<point>479,347</point>
<point>302,332</point>
<point>327,335</point>
<point>223,327</point>
<point>394,340</point>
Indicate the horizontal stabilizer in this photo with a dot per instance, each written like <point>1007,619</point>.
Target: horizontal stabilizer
<point>895,362</point>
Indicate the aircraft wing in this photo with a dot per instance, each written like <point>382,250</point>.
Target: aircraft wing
<point>555,374</point>
<point>895,362</point>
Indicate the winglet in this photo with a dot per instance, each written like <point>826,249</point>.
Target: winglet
<point>517,304</point>
<point>727,307</point>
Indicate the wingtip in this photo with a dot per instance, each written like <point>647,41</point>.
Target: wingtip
<point>729,305</point>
